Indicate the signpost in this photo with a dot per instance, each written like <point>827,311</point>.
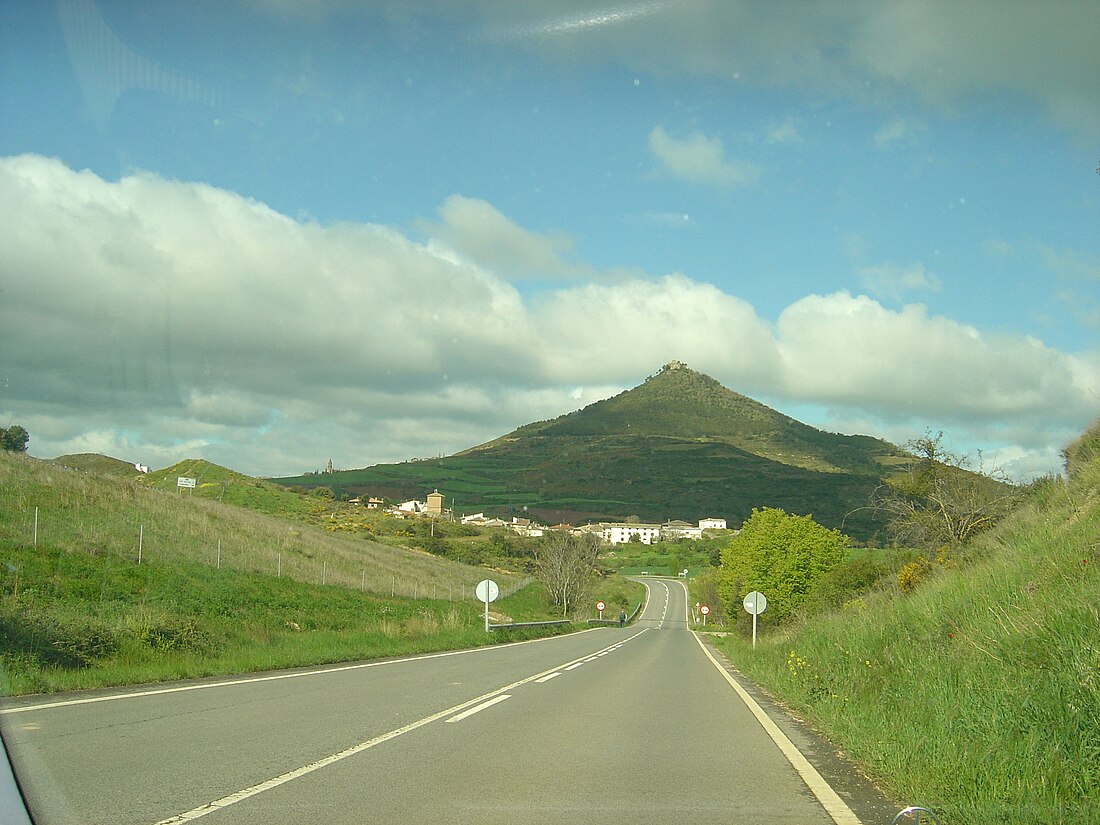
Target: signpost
<point>600,606</point>
<point>705,610</point>
<point>487,591</point>
<point>184,481</point>
<point>755,603</point>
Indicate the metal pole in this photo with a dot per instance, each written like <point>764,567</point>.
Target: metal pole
<point>219,554</point>
<point>141,536</point>
<point>486,609</point>
<point>35,526</point>
<point>754,630</point>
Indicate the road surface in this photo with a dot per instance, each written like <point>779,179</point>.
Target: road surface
<point>639,725</point>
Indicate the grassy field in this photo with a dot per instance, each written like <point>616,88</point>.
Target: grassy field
<point>978,693</point>
<point>102,515</point>
<point>74,620</point>
<point>107,581</point>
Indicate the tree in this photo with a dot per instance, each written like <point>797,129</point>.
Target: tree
<point>564,564</point>
<point>937,501</point>
<point>14,439</point>
<point>782,556</point>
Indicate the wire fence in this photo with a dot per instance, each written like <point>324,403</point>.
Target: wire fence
<point>303,554</point>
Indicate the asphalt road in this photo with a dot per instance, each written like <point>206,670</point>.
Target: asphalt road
<point>638,725</point>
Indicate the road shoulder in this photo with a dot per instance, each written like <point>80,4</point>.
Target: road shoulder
<point>844,776</point>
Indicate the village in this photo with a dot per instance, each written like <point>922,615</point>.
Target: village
<point>433,506</point>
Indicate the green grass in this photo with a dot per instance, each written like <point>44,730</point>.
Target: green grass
<point>74,620</point>
<point>978,694</point>
<point>122,584</point>
<point>104,515</point>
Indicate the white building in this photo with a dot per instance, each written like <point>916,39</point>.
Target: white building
<point>621,533</point>
<point>712,524</point>
<point>676,530</point>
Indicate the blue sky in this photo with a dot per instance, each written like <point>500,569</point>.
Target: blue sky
<point>271,233</point>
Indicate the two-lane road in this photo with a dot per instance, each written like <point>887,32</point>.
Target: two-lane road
<point>637,724</point>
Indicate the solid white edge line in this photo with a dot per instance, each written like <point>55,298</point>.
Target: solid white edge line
<point>479,708</point>
<point>272,678</point>
<point>830,801</point>
<point>282,779</point>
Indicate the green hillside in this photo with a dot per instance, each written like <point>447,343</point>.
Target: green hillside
<point>680,445</point>
<point>105,581</point>
<point>80,511</point>
<point>96,463</point>
<point>213,481</point>
<point>978,693</point>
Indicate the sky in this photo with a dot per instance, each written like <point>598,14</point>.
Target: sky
<point>273,233</point>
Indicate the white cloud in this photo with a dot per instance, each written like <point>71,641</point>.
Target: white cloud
<point>949,54</point>
<point>670,220</point>
<point>155,320</point>
<point>699,159</point>
<point>785,132</point>
<point>905,364</point>
<point>483,235</point>
<point>893,282</point>
<point>896,129</point>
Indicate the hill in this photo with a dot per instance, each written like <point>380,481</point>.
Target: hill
<point>978,692</point>
<point>94,462</point>
<point>213,481</point>
<point>680,445</point>
<point>108,517</point>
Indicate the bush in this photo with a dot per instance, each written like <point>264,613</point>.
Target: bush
<point>782,556</point>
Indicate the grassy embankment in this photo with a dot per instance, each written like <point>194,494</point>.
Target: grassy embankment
<point>977,694</point>
<point>79,610</point>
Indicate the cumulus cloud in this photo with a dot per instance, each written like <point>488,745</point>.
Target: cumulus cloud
<point>485,236</point>
<point>699,159</point>
<point>850,350</point>
<point>155,320</point>
<point>893,282</point>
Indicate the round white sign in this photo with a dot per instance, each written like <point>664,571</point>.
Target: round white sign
<point>600,606</point>
<point>704,610</point>
<point>755,603</point>
<point>487,591</point>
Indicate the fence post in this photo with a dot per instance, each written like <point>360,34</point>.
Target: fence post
<point>36,526</point>
<point>141,537</point>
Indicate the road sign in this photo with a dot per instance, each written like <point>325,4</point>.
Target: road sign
<point>755,604</point>
<point>184,481</point>
<point>600,606</point>
<point>705,610</point>
<point>487,591</point>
